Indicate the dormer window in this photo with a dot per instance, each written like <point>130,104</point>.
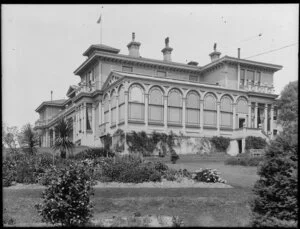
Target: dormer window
<point>127,69</point>
<point>161,73</point>
<point>193,78</point>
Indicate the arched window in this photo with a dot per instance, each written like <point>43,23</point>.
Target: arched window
<point>156,105</point>
<point>242,106</point>
<point>106,109</point>
<point>210,110</point>
<point>175,107</point>
<point>193,108</point>
<point>113,105</point>
<point>121,104</point>
<point>136,103</point>
<point>226,112</point>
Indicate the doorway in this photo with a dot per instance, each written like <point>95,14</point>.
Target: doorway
<point>241,122</point>
<point>240,145</point>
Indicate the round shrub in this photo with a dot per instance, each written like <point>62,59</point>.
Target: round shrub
<point>160,167</point>
<point>155,177</point>
<point>93,153</point>
<point>174,156</point>
<point>67,200</point>
<point>208,176</point>
<point>8,172</point>
<point>255,143</point>
<point>220,143</point>
<point>170,175</point>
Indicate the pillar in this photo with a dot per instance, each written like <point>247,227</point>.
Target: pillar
<point>117,110</point>
<point>146,109</point>
<point>233,116</point>
<point>53,135</point>
<point>183,114</point>
<point>249,115</point>
<point>218,117</point>
<point>47,138</point>
<point>239,76</point>
<point>109,112</point>
<point>126,109</point>
<point>272,119</point>
<point>166,112</point>
<point>100,113</point>
<point>255,115</point>
<point>201,114</point>
<point>93,119</point>
<point>266,118</point>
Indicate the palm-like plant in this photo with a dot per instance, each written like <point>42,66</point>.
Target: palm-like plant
<point>29,138</point>
<point>62,141</point>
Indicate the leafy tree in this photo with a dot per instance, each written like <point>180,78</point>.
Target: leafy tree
<point>10,137</point>
<point>275,202</point>
<point>62,141</point>
<point>29,139</point>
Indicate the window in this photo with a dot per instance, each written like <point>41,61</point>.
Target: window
<point>193,78</point>
<point>250,76</point>
<point>275,114</point>
<point>210,110</point>
<point>274,132</point>
<point>126,69</point>
<point>89,117</point>
<point>242,79</point>
<point>113,103</point>
<point>175,107</point>
<point>161,73</point>
<point>259,78</point>
<point>156,105</point>
<point>136,103</point>
<point>226,112</point>
<point>193,108</point>
<point>121,104</point>
<point>242,106</point>
<point>106,109</point>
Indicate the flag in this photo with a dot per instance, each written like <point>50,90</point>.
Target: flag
<point>99,20</point>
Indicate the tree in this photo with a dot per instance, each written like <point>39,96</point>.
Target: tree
<point>9,137</point>
<point>62,141</point>
<point>275,202</point>
<point>29,139</point>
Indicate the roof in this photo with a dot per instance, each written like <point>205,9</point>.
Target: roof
<point>100,47</point>
<point>58,102</point>
<point>71,89</point>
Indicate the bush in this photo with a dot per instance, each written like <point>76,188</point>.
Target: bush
<point>174,156</point>
<point>8,172</point>
<point>208,176</point>
<point>220,143</point>
<point>160,167</point>
<point>67,200</point>
<point>93,153</point>
<point>255,143</point>
<point>170,175</point>
<point>244,160</point>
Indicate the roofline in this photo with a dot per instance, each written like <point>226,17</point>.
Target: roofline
<point>49,104</point>
<point>95,46</point>
<point>137,59</point>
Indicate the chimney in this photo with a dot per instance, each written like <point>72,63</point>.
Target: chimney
<point>134,47</point>
<point>167,51</point>
<point>215,55</point>
<point>239,53</point>
<point>194,63</point>
<point>51,95</point>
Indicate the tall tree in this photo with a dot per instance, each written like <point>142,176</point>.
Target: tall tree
<point>275,202</point>
<point>29,138</point>
<point>62,142</point>
<point>10,137</point>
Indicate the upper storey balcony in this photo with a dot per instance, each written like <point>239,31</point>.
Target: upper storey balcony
<point>86,87</point>
<point>255,87</point>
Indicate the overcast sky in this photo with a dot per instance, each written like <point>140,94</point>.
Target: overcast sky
<point>43,44</point>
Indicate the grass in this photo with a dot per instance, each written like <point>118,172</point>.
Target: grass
<point>197,206</point>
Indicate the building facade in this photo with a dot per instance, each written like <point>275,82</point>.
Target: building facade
<point>230,97</point>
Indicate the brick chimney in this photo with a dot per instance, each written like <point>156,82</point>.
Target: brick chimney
<point>215,55</point>
<point>134,47</point>
<point>167,50</point>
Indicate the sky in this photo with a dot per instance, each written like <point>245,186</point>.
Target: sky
<point>42,45</point>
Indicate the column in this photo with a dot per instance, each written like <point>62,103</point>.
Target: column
<point>117,110</point>
<point>74,128</point>
<point>233,116</point>
<point>100,113</point>
<point>249,115</point>
<point>82,118</point>
<point>166,112</point>
<point>266,118</point>
<point>126,109</point>
<point>53,135</point>
<point>47,144</point>
<point>93,119</point>
<point>239,76</point>
<point>146,109</point>
<point>201,114</point>
<point>245,80</point>
<point>85,118</point>
<point>255,115</point>
<point>109,112</point>
<point>183,114</point>
<point>272,119</point>
<point>218,117</point>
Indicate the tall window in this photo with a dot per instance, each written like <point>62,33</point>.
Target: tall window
<point>210,110</point>
<point>113,104</point>
<point>259,78</point>
<point>156,105</point>
<point>242,106</point>
<point>175,107</point>
<point>106,109</point>
<point>226,112</point>
<point>121,104</point>
<point>136,103</point>
<point>88,116</point>
<point>161,73</point>
<point>126,69</point>
<point>193,108</point>
<point>250,76</point>
<point>242,80</point>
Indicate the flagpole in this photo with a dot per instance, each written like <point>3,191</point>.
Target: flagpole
<point>101,31</point>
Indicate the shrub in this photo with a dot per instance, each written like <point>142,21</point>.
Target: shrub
<point>208,176</point>
<point>160,167</point>
<point>220,143</point>
<point>93,153</point>
<point>244,160</point>
<point>170,175</point>
<point>255,143</point>
<point>50,175</point>
<point>8,172</point>
<point>174,156</point>
<point>67,200</point>
<point>155,177</point>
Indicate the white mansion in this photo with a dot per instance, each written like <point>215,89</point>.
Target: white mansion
<point>230,97</point>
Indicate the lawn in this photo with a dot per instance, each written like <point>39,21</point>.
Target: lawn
<point>197,206</point>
